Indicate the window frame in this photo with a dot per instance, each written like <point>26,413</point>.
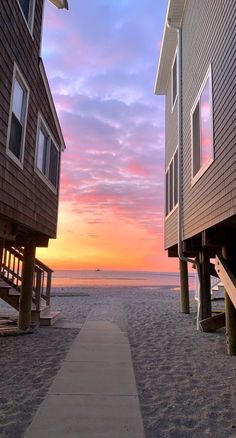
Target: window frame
<point>173,102</point>
<point>171,190</point>
<point>42,125</point>
<point>17,75</point>
<point>202,169</point>
<point>30,22</point>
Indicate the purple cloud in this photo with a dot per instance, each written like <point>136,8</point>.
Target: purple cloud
<point>101,60</point>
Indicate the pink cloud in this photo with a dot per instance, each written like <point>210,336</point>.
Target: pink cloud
<point>102,71</point>
<point>137,169</point>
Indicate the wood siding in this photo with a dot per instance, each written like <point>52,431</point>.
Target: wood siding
<point>209,37</point>
<point>171,126</point>
<point>24,196</point>
<point>171,227</point>
<point>171,142</point>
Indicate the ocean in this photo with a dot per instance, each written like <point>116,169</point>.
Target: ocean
<point>78,278</point>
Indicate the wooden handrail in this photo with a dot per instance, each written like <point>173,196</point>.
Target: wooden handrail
<point>20,253</point>
<point>11,272</point>
<point>227,278</point>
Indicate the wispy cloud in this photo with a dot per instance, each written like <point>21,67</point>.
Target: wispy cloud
<point>101,60</point>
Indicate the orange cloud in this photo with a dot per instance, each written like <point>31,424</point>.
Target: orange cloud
<point>111,190</point>
<point>108,242</point>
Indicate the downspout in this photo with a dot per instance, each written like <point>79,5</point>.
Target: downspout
<point>180,154</point>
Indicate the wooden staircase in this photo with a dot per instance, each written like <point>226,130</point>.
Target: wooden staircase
<point>10,286</point>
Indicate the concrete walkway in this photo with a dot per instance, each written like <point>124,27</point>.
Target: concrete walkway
<point>94,393</point>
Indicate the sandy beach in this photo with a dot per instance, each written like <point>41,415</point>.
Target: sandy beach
<point>186,382</point>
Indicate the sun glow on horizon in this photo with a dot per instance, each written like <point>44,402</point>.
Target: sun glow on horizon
<point>108,243</point>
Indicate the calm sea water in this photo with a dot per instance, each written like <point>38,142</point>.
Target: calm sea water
<point>117,278</point>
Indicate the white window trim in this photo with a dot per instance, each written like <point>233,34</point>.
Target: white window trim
<point>17,74</point>
<point>176,97</point>
<point>41,122</point>
<point>171,212</point>
<point>30,25</point>
<point>177,204</point>
<point>204,168</point>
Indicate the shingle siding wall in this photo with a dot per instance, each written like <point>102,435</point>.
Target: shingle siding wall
<point>209,37</point>
<point>24,197</point>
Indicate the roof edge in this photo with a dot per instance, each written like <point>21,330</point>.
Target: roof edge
<point>157,86</point>
<point>51,102</point>
<point>175,12</point>
<point>60,4</point>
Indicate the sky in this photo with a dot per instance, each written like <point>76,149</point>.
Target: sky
<point>101,59</point>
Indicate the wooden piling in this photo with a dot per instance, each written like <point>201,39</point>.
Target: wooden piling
<point>184,288</point>
<point>26,287</point>
<point>230,311</point>
<point>205,285</point>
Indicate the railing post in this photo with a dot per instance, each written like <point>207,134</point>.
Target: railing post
<point>5,259</point>
<point>38,289</point>
<point>17,273</point>
<point>26,287</point>
<point>48,287</point>
<point>8,262</point>
<point>1,253</point>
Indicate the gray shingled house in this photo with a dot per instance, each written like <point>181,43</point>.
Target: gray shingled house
<point>31,143</point>
<point>196,73</point>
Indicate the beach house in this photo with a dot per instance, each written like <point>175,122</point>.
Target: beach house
<point>31,143</point>
<point>196,73</point>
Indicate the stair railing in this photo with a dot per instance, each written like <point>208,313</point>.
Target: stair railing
<point>11,272</point>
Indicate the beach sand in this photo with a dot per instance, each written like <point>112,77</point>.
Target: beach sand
<point>185,380</point>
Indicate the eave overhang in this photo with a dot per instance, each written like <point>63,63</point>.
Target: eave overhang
<point>60,4</point>
<point>175,12</point>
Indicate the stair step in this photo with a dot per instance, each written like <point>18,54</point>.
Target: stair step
<point>9,331</point>
<point>5,321</point>
<point>50,318</point>
<point>14,292</point>
<point>218,287</point>
<point>4,285</point>
<point>46,315</point>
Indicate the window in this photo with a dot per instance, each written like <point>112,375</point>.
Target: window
<point>174,86</point>
<point>17,117</point>
<point>167,193</point>
<point>47,159</point>
<point>172,183</point>
<point>202,130</point>
<point>176,179</point>
<point>27,9</point>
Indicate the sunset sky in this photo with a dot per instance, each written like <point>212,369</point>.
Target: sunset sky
<point>101,59</point>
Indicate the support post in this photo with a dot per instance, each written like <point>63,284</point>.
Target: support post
<point>27,286</point>
<point>230,311</point>
<point>184,289</point>
<point>205,285</point>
